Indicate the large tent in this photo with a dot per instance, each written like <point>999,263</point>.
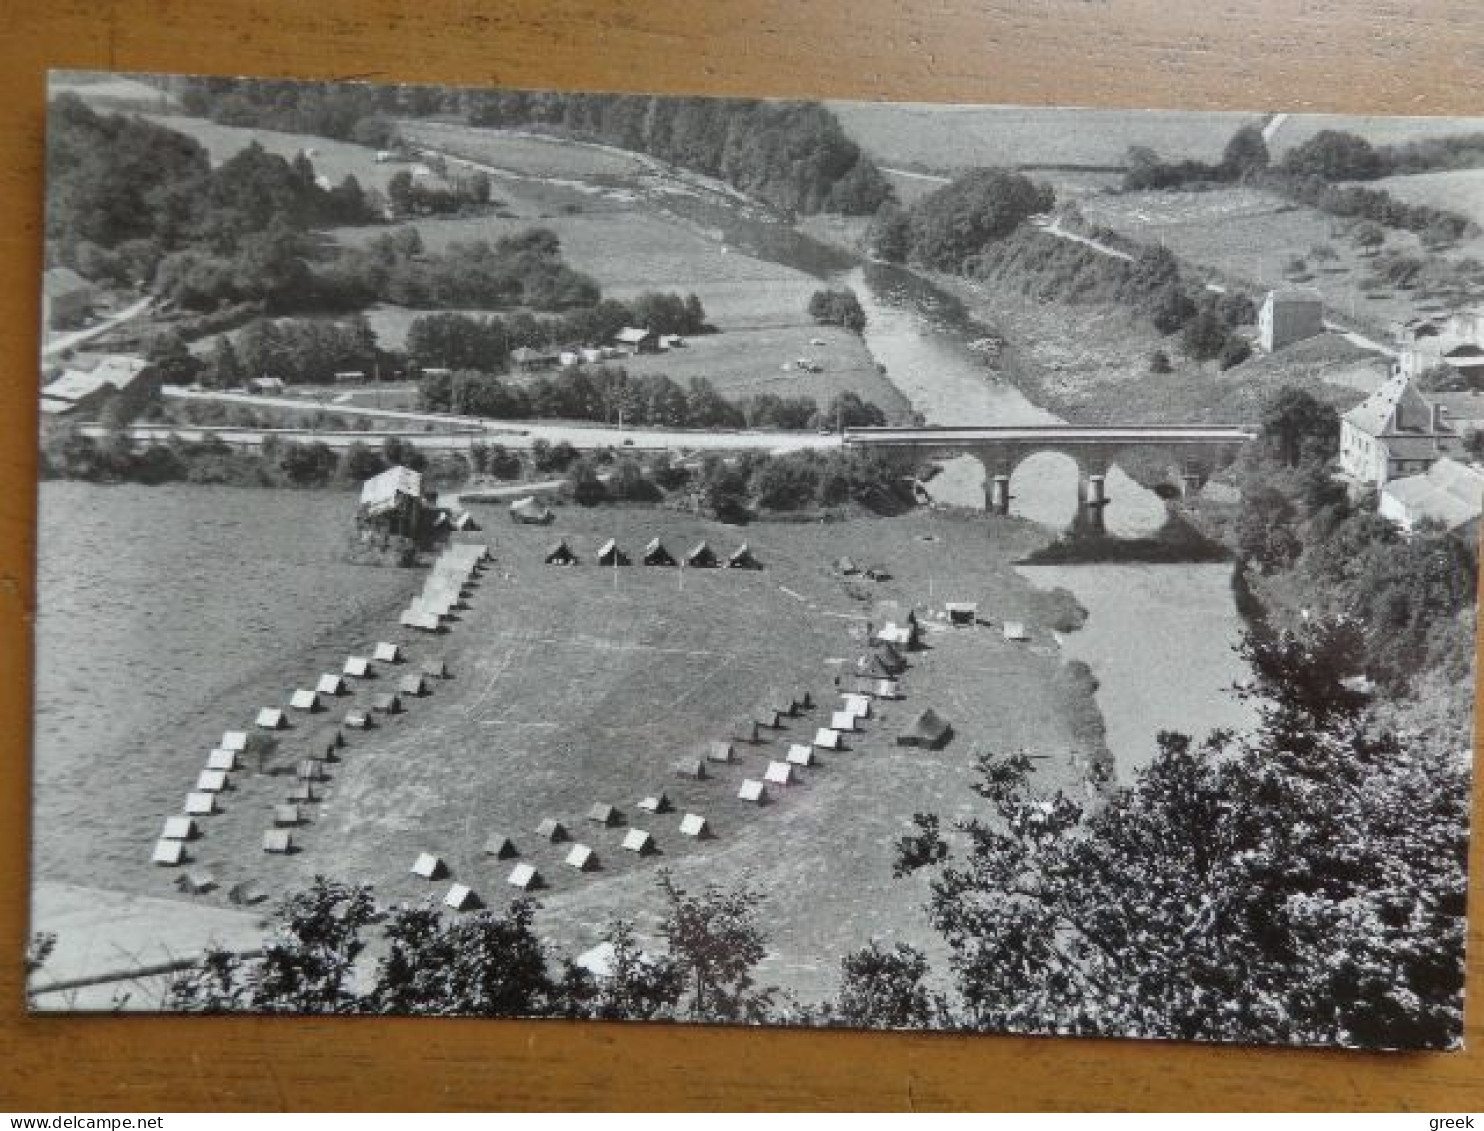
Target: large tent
<point>655,554</point>
<point>928,730</point>
<point>530,510</point>
<point>609,554</point>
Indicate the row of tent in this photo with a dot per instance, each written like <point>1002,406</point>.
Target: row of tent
<point>447,585</point>
<point>700,556</point>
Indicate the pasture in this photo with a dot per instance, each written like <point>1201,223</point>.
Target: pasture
<point>933,137</point>
<point>576,685</point>
<point>1457,190</point>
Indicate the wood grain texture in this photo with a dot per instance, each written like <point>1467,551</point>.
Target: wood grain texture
<point>1400,56</point>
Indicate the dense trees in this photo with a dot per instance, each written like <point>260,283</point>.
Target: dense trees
<point>838,308</point>
<point>976,208</point>
<point>1335,155</point>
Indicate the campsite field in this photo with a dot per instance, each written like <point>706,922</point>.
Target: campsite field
<point>569,686</point>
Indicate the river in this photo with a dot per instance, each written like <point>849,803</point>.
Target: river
<point>1159,638</point>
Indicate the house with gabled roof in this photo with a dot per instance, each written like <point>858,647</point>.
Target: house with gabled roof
<point>1396,431</point>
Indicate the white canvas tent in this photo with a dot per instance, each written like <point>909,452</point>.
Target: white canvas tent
<point>581,857</point>
<point>551,830</point>
<point>412,684</point>
<point>719,750</point>
<point>168,853</point>
<point>858,705</point>
<point>603,814</point>
<point>221,760</point>
<point>435,669</point>
<point>287,814</point>
<point>843,721</point>
<point>234,740</point>
<point>388,703</point>
<point>306,792</point>
<point>751,791</point>
<point>501,847</point>
<point>658,803</point>
<point>357,720</point>
<point>693,824</point>
<point>278,841</point>
<point>827,739</point>
<point>1015,631</point>
<point>330,684</point>
<point>357,666</point>
<point>525,877</point>
<point>428,866</point>
<point>200,804</point>
<point>461,897</point>
<point>178,828</point>
<point>304,700</point>
<point>800,755</point>
<point>211,781</point>
<point>387,653</point>
<point>779,773</point>
<point>637,840</point>
<point>271,718</point>
<point>692,768</point>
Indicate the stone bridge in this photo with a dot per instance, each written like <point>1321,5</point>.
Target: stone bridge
<point>1198,448</point>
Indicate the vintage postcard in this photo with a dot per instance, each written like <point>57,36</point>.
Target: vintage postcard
<point>701,560</point>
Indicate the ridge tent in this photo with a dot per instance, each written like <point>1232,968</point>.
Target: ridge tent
<point>843,721</point>
<point>637,840</point>
<point>330,684</point>
<point>413,684</point>
<point>168,853</point>
<point>195,882</point>
<point>659,803</point>
<point>235,741</point>
<point>719,750</point>
<point>386,653</point>
<point>357,720</point>
<point>858,705</point>
<point>435,669</point>
<point>525,877</point>
<point>827,739</point>
<point>751,791</point>
<point>357,666</point>
<point>701,556</point>
<point>304,700</point>
<point>551,830</point>
<point>873,667</point>
<point>693,824</point>
<point>279,841</point>
<point>692,768</point>
<point>287,815</point>
<point>428,866</point>
<point>461,897</point>
<point>610,555</point>
<point>1015,630</point>
<point>742,558</point>
<point>221,760</point>
<point>886,689</point>
<point>529,510</point>
<point>779,773</point>
<point>604,814</point>
<point>744,730</point>
<point>179,828</point>
<point>769,718</point>
<point>928,730</point>
<point>655,554</point>
<point>424,621</point>
<point>211,781</point>
<point>500,847</point>
<point>581,857</point>
<point>800,755</point>
<point>388,703</point>
<point>559,553</point>
<point>311,769</point>
<point>200,804</point>
<point>305,792</point>
<point>271,718</point>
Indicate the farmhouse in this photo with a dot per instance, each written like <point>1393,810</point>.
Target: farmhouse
<point>393,501</point>
<point>1455,341</point>
<point>1289,316</point>
<point>1396,431</point>
<point>633,340</point>
<point>1448,492</point>
<point>66,299</point>
<point>83,391</point>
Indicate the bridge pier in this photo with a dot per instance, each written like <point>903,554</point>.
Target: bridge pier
<point>1092,499</point>
<point>999,494</point>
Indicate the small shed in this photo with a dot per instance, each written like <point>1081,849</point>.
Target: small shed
<point>278,841</point>
<point>387,653</point>
<point>693,824</point>
<point>168,853</point>
<point>751,791</point>
<point>1015,631</point>
<point>429,866</point>
<point>962,612</point>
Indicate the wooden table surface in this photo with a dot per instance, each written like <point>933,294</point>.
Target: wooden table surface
<point>1398,56</point>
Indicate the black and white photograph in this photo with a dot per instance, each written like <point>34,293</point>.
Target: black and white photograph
<point>711,560</point>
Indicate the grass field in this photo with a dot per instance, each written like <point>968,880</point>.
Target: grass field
<point>570,687</point>
<point>527,154</point>
<point>1248,236</point>
<point>1457,190</point>
<point>941,137</point>
<point>1377,129</point>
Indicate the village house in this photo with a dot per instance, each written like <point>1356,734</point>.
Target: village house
<point>267,386</point>
<point>1455,340</point>
<point>392,502</point>
<point>1289,316</point>
<point>1449,492</point>
<point>635,340</point>
<point>66,299</point>
<point>82,392</point>
<point>527,360</point>
<point>1394,432</point>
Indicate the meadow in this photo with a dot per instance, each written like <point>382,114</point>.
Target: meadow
<point>1457,190</point>
<point>568,686</point>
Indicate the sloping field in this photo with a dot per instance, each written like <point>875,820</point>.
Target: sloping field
<point>530,155</point>
<point>1377,129</point>
<point>574,686</point>
<point>1457,190</point>
<point>943,137</point>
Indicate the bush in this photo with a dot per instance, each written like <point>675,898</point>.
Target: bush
<point>1159,362</point>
